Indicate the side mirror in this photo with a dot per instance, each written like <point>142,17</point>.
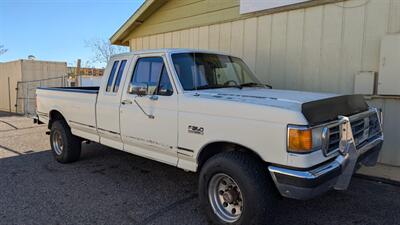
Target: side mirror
<point>139,89</point>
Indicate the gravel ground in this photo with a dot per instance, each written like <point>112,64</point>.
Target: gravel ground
<point>112,187</point>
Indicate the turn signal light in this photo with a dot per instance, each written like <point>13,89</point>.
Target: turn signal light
<point>300,140</point>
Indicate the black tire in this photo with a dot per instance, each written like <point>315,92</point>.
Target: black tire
<point>71,145</point>
<point>255,184</point>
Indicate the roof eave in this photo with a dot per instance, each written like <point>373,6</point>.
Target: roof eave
<point>144,11</point>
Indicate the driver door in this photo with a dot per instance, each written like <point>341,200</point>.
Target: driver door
<point>149,111</point>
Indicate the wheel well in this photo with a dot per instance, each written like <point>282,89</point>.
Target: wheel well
<point>54,115</point>
<point>218,147</point>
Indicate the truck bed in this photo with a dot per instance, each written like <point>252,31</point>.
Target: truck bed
<point>76,104</point>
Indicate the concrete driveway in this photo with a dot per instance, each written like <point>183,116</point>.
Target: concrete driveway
<point>112,187</point>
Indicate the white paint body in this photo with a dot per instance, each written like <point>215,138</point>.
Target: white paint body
<point>256,118</point>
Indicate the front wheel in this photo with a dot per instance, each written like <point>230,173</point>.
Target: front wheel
<point>234,188</point>
<point>65,146</point>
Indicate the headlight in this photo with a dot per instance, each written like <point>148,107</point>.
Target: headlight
<point>302,139</point>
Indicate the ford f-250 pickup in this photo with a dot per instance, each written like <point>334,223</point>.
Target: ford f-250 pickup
<point>206,112</point>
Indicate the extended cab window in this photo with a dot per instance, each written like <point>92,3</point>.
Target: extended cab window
<point>119,75</point>
<point>111,77</point>
<point>152,73</point>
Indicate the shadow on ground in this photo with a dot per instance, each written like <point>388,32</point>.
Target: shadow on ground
<point>111,187</point>
<point>8,114</point>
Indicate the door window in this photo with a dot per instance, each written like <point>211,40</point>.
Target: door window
<point>164,86</point>
<point>111,77</point>
<point>151,72</point>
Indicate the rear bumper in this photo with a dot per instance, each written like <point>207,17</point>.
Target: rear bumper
<point>336,174</point>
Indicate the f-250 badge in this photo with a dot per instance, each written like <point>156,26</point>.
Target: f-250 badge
<point>195,130</point>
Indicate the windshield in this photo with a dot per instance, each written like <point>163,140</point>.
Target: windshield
<point>204,70</point>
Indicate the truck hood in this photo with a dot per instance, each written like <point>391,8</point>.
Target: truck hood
<point>316,107</point>
<point>286,99</point>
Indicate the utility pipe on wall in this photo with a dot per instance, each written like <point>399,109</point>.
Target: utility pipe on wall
<point>9,95</point>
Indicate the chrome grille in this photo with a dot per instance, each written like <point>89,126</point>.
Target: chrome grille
<point>363,129</point>
<point>360,129</point>
<point>374,125</point>
<point>334,138</point>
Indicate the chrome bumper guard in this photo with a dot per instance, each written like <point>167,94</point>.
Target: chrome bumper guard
<point>336,174</point>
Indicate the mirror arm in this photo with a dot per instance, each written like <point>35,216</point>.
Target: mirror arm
<point>140,107</point>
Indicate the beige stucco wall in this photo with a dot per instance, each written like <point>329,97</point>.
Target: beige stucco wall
<point>319,48</point>
<point>391,108</point>
<point>44,73</point>
<point>12,71</point>
<point>25,71</point>
<point>37,70</point>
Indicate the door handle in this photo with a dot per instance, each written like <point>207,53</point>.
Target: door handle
<point>126,102</point>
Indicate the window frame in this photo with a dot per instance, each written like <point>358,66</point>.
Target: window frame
<point>164,66</point>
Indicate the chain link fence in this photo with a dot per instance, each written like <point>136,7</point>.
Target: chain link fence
<point>26,93</point>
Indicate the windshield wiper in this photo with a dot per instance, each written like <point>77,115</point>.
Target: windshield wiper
<point>216,86</point>
<point>253,84</point>
<point>250,84</point>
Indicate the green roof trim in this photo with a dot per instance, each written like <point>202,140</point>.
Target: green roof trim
<point>144,11</point>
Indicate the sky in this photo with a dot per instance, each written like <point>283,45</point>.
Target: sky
<point>56,30</point>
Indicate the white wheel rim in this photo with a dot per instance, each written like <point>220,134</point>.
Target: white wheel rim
<point>57,141</point>
<point>225,198</point>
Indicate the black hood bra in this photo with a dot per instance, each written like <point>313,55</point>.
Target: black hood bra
<point>325,110</point>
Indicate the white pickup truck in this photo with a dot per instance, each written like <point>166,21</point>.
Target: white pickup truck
<point>206,112</point>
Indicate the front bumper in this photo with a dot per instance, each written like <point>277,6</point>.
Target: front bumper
<point>335,174</point>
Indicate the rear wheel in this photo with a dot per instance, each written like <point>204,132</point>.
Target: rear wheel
<point>65,146</point>
<point>234,188</point>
